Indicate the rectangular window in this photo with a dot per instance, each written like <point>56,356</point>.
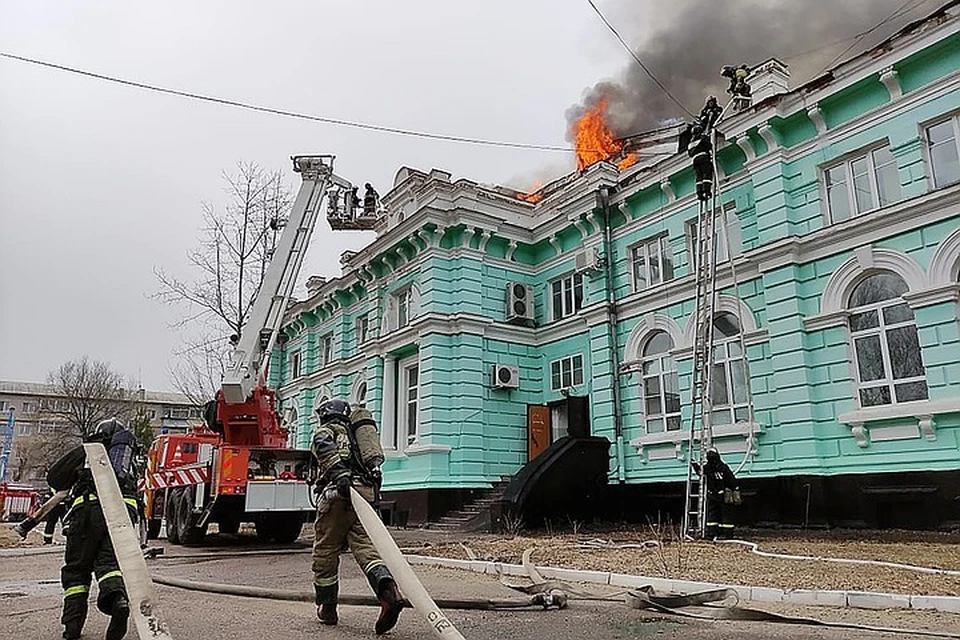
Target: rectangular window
<point>566,295</point>
<point>151,414</point>
<point>295,364</point>
<point>363,329</point>
<point>729,240</point>
<point>566,372</point>
<point>326,350</point>
<point>404,304</point>
<point>943,149</point>
<point>408,409</point>
<point>861,183</point>
<point>652,263</point>
<point>29,408</point>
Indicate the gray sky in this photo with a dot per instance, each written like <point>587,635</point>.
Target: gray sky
<point>100,183</point>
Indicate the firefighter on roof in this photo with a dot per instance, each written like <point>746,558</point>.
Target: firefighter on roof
<point>370,200</point>
<point>89,550</point>
<point>348,454</point>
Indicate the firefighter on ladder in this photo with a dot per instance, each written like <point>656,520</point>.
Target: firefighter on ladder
<point>89,550</point>
<point>346,447</point>
<point>721,490</point>
<point>701,150</point>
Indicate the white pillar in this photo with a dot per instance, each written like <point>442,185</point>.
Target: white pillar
<point>388,404</point>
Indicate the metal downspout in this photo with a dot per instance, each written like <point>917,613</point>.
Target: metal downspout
<point>603,200</point>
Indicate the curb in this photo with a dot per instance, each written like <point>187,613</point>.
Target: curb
<point>31,551</point>
<point>851,599</point>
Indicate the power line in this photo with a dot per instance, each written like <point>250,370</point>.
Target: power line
<point>903,9</point>
<point>637,58</point>
<point>290,114</point>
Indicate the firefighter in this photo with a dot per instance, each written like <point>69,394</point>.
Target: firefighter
<point>56,515</point>
<point>701,150</point>
<point>347,452</point>
<point>720,483</point>
<point>89,550</point>
<point>370,200</point>
<point>709,114</point>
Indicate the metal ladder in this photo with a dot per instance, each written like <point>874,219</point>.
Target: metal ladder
<point>700,436</point>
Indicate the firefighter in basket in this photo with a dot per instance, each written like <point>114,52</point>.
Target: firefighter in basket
<point>346,448</point>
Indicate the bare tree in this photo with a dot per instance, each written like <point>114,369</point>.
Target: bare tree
<point>86,392</point>
<point>236,246</point>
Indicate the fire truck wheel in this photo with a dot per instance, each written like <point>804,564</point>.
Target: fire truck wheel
<point>187,529</point>
<point>173,499</point>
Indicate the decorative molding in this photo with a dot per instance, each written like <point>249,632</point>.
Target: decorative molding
<point>933,295</point>
<point>744,143</point>
<point>945,262</point>
<point>923,411</point>
<point>555,244</point>
<point>816,117</point>
<point>423,449</point>
<point>668,191</point>
<point>485,236</point>
<point>645,327</point>
<point>894,432</point>
<point>826,321</point>
<point>468,234</point>
<point>725,304</point>
<point>511,249</point>
<point>766,132</point>
<point>438,234</point>
<point>891,80</point>
<point>842,282</point>
<point>580,225</point>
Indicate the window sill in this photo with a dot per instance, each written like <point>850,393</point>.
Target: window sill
<point>423,449</point>
<point>677,438</point>
<point>922,411</point>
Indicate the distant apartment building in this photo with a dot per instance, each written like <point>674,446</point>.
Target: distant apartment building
<point>35,413</point>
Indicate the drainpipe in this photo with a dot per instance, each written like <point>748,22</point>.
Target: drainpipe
<point>603,201</point>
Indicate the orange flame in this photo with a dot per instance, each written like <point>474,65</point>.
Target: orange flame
<point>533,196</point>
<point>595,141</point>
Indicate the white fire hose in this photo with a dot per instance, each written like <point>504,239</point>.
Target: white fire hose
<point>413,590</point>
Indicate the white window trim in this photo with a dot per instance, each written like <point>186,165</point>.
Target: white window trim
<point>325,358</point>
<point>726,217</point>
<point>296,364</point>
<point>403,437</point>
<point>732,406</point>
<point>880,331</point>
<point>953,117</point>
<point>362,337</point>
<point>573,310</point>
<point>663,243</point>
<point>664,415</point>
<point>847,161</point>
<point>571,361</point>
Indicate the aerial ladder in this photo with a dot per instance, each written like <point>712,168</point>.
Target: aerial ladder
<point>700,434</point>
<point>238,466</point>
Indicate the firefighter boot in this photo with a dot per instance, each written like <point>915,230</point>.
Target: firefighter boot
<point>328,614</point>
<point>74,615</point>
<point>391,604</point>
<point>119,614</point>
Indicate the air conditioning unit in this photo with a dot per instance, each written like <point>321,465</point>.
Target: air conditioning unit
<point>520,306</point>
<point>506,376</point>
<point>587,260</point>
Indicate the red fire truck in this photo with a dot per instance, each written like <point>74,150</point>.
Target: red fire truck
<point>237,467</point>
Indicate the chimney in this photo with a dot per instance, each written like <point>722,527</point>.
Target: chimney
<point>769,79</point>
<point>314,284</point>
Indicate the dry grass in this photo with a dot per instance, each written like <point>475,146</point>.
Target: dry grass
<point>709,562</point>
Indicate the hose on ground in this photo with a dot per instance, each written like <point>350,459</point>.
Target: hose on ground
<point>541,601</point>
<point>755,549</point>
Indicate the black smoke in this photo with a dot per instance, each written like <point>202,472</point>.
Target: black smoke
<point>688,49</point>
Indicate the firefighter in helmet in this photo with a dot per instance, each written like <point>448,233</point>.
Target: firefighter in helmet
<point>89,550</point>
<point>701,150</point>
<point>348,454</point>
<point>721,490</point>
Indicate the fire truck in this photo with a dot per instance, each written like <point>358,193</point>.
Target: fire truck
<point>237,467</point>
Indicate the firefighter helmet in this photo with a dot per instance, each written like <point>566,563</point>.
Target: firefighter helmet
<point>334,410</point>
<point>105,430</point>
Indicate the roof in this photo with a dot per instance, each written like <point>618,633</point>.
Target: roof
<point>14,387</point>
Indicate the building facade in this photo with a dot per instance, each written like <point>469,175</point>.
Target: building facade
<point>37,410</point>
<point>836,388</point>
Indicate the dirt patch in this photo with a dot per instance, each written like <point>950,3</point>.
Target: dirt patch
<point>10,539</point>
<point>711,562</point>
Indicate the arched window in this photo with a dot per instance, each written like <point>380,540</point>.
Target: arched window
<point>661,387</point>
<point>359,393</point>
<point>886,348</point>
<point>729,376</point>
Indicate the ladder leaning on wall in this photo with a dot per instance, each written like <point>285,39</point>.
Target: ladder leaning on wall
<point>700,434</point>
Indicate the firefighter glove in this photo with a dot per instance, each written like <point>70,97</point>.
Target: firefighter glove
<point>343,486</point>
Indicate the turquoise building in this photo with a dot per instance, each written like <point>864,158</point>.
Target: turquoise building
<point>479,323</point>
